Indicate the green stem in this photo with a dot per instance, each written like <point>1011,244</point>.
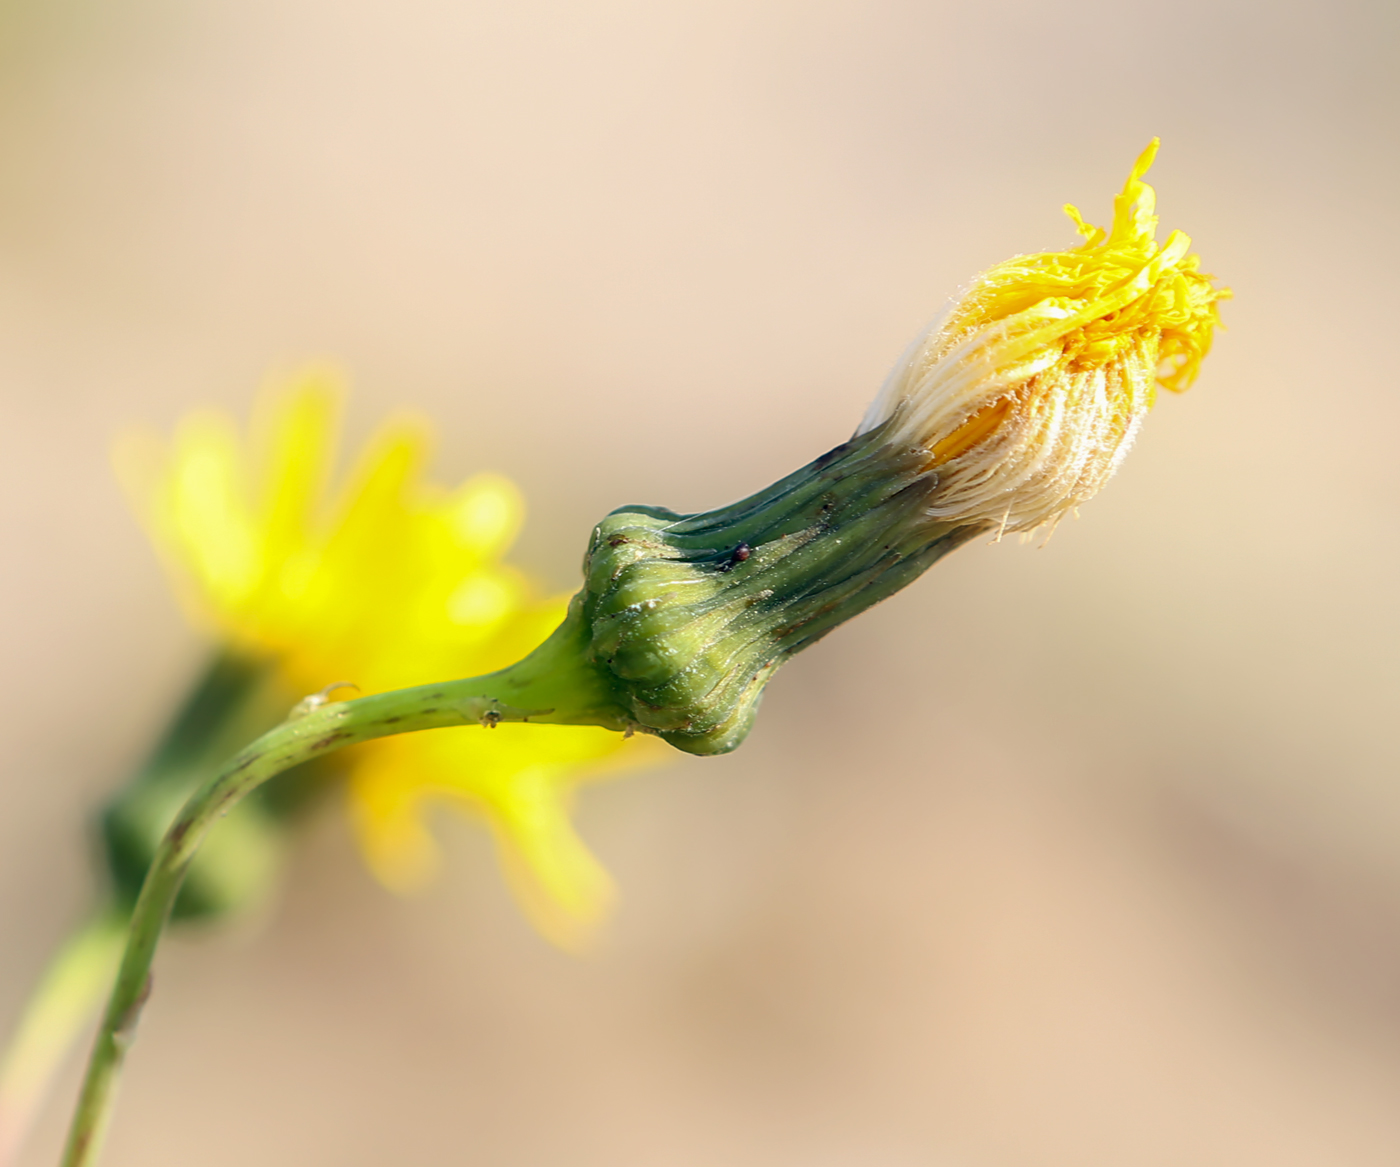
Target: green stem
<point>233,700</point>
<point>63,1004</point>
<point>554,685</point>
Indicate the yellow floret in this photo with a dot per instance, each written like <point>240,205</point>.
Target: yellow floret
<point>1030,389</point>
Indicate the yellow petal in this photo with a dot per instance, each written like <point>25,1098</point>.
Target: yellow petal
<point>205,513</point>
<point>297,429</point>
<point>486,512</point>
<point>556,879</point>
<point>388,822</point>
<point>520,779</point>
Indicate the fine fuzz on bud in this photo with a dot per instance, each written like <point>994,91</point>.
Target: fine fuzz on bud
<point>1027,393</point>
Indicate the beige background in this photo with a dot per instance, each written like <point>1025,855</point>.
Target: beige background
<point>1084,856</point>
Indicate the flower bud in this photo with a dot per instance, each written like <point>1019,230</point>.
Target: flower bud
<point>690,615</point>
<point>1014,407</point>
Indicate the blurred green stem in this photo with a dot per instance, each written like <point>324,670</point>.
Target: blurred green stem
<point>232,700</point>
<point>64,1003</point>
<point>554,684</point>
<point>235,699</point>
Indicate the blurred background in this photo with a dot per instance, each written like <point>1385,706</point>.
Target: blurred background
<point>1085,854</point>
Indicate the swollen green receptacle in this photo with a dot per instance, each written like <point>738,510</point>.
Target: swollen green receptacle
<point>688,616</point>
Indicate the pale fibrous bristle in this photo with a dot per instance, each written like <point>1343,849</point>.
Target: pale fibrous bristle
<point>1029,390</point>
<point>1053,440</point>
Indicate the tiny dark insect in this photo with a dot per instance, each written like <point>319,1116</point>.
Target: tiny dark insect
<point>738,555</point>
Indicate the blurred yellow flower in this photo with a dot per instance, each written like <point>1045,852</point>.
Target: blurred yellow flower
<point>393,582</point>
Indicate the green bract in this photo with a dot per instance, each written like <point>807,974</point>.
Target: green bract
<point>689,616</point>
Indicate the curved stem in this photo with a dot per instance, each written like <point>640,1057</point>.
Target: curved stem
<point>553,684</point>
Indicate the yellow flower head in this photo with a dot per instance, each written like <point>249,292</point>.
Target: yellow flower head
<point>391,583</point>
<point>1029,391</point>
